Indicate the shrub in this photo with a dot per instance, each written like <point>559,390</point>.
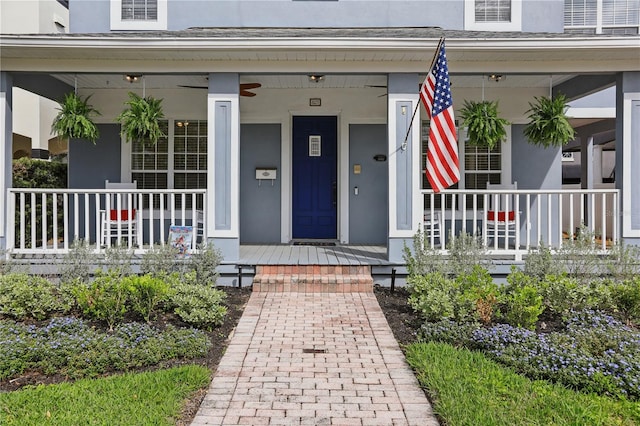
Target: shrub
<point>160,261</point>
<point>623,261</point>
<point>104,299</point>
<point>204,262</point>
<point>476,296</point>
<point>25,296</point>
<point>198,305</point>
<point>466,252</point>
<point>563,294</point>
<point>432,296</point>
<point>146,293</point>
<point>77,263</point>
<point>423,259</point>
<point>522,302</point>
<point>626,296</point>
<point>117,259</point>
<point>540,263</point>
<point>580,256</point>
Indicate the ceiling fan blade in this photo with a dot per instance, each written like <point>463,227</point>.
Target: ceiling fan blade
<point>246,93</point>
<point>245,86</point>
<point>376,86</point>
<point>194,87</point>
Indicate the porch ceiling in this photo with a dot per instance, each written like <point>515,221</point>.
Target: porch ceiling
<point>301,81</point>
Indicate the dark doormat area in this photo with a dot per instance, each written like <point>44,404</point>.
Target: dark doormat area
<point>314,243</point>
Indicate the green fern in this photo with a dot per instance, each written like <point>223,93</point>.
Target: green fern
<point>484,126</point>
<point>548,124</point>
<point>74,119</point>
<point>141,119</point>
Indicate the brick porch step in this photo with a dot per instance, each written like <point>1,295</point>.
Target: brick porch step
<point>313,279</point>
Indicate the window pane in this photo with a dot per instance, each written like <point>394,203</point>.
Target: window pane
<point>163,162</point>
<point>179,162</point>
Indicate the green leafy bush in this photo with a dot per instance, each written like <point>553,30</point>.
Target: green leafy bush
<point>431,296</point>
<point>160,261</point>
<point>626,296</point>
<point>522,303</point>
<point>25,296</point>
<point>466,252</point>
<point>476,295</point>
<point>146,293</point>
<point>104,299</point>
<point>196,304</point>
<point>564,294</point>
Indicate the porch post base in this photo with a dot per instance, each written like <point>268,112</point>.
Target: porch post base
<point>229,248</point>
<point>395,249</point>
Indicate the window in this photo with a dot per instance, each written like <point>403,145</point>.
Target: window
<point>493,11</point>
<point>602,16</point>
<point>493,15</point>
<point>139,14</point>
<point>478,165</point>
<point>177,161</point>
<point>139,10</point>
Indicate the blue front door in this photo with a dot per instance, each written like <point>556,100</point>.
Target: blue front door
<point>314,177</point>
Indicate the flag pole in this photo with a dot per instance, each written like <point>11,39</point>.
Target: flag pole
<point>403,147</point>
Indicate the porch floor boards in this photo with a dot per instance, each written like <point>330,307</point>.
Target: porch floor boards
<point>285,254</point>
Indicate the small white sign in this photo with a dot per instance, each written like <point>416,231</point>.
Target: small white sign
<point>315,146</point>
<point>567,156</point>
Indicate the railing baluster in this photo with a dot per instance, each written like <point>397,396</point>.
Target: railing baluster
<point>560,222</point>
<point>44,220</point>
<point>549,205</point>
<point>571,213</point>
<point>23,220</point>
<point>151,221</point>
<point>100,227</point>
<point>527,216</point>
<point>604,221</point>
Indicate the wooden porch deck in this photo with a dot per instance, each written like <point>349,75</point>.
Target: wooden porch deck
<point>289,254</point>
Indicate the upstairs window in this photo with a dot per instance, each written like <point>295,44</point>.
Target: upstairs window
<point>139,15</point>
<point>602,16</point>
<point>493,11</point>
<point>493,15</point>
<point>139,10</point>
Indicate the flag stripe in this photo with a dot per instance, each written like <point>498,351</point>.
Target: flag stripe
<point>443,167</point>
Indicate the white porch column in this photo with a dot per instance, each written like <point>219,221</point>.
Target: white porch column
<point>6,154</point>
<point>223,164</point>
<point>628,153</point>
<point>404,164</point>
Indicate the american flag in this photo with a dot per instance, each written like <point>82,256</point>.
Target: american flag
<point>443,168</point>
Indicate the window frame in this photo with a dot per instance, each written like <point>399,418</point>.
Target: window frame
<point>470,23</point>
<point>117,23</point>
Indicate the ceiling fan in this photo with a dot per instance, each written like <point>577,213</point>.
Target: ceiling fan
<point>244,88</point>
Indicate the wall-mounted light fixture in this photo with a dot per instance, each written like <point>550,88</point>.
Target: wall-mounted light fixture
<point>132,78</point>
<point>182,123</point>
<point>496,77</point>
<point>315,78</point>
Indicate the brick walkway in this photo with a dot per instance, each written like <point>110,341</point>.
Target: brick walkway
<point>314,359</point>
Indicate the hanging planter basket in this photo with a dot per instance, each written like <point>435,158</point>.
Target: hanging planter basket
<point>548,124</point>
<point>74,119</point>
<point>141,119</point>
<point>484,126</point>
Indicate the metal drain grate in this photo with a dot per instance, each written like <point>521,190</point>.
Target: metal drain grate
<point>314,351</point>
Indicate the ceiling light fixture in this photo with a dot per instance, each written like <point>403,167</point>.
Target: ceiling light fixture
<point>496,77</point>
<point>315,78</point>
<point>132,78</point>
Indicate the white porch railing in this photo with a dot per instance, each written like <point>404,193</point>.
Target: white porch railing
<point>49,220</point>
<point>521,219</point>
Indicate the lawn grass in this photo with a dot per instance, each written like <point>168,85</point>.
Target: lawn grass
<point>150,398</point>
<point>469,389</point>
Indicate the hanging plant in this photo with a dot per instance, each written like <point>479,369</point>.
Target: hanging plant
<point>141,119</point>
<point>484,126</point>
<point>74,119</point>
<point>548,124</point>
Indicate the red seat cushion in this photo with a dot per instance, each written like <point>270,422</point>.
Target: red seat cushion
<point>124,214</point>
<point>491,215</point>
